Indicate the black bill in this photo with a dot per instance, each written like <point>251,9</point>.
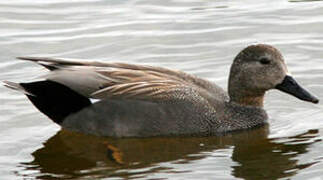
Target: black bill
<point>290,86</point>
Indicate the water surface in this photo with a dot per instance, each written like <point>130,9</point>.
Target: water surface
<point>199,37</point>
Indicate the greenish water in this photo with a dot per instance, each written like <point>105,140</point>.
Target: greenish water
<point>198,37</point>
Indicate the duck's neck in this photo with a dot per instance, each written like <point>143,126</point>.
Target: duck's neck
<point>256,101</point>
<point>245,97</point>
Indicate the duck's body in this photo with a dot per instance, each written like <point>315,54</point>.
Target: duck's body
<point>191,114</point>
<point>141,101</point>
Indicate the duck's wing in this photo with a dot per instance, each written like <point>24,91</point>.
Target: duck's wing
<point>103,80</point>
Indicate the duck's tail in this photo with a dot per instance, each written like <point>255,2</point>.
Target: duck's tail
<point>16,86</point>
<point>51,98</point>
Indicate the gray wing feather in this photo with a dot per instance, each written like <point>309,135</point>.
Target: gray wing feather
<point>120,80</point>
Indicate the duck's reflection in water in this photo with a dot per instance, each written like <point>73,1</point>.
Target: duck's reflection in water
<point>73,155</point>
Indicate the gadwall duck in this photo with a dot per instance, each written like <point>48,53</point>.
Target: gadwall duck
<point>142,101</point>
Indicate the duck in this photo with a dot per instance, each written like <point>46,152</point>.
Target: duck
<point>129,100</point>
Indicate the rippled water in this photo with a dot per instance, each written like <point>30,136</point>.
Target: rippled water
<point>199,37</point>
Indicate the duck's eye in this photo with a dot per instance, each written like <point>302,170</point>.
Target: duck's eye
<point>264,61</point>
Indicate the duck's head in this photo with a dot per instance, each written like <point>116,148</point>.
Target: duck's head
<point>257,69</point>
